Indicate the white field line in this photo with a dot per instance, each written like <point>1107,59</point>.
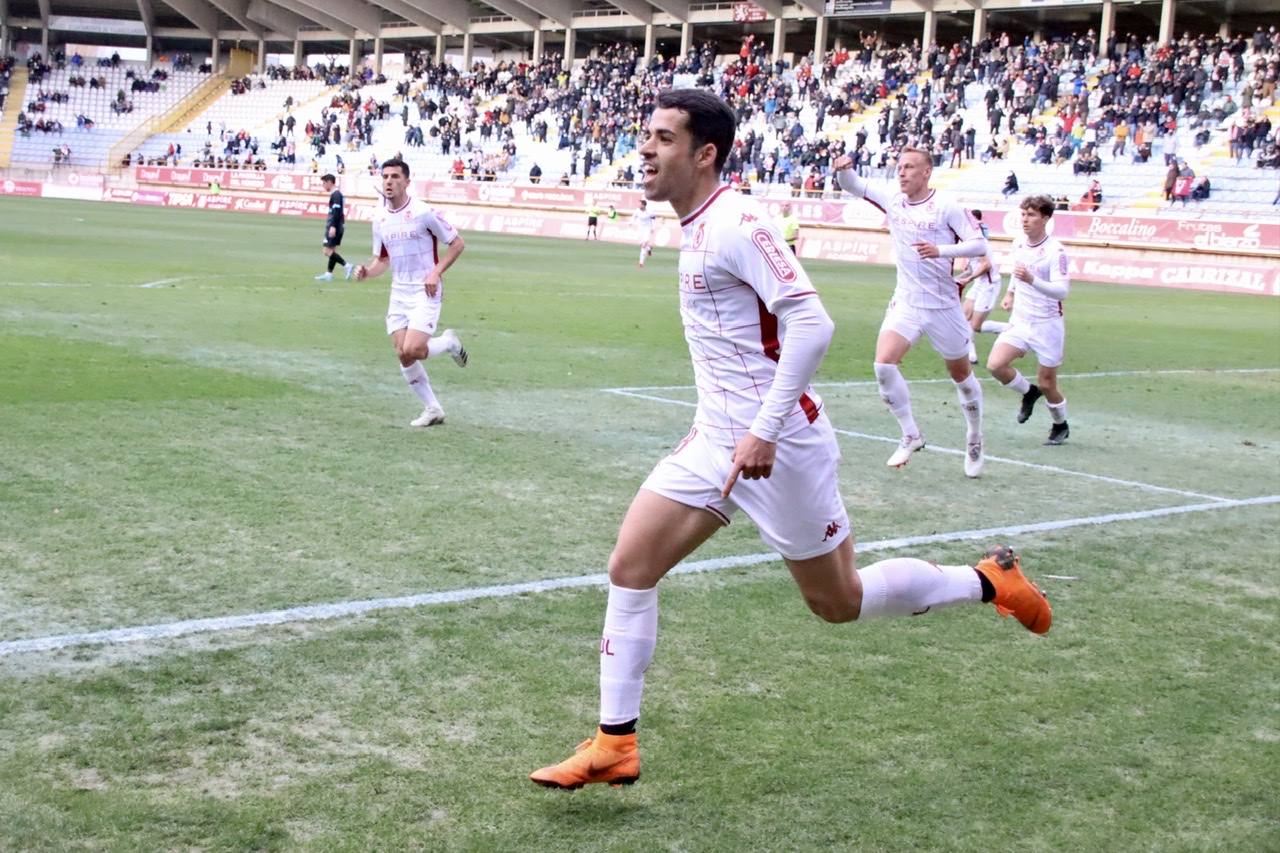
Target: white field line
<point>1053,469</point>
<point>342,609</point>
<point>871,383</point>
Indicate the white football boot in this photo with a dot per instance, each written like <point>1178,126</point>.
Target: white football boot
<point>909,445</point>
<point>431,416</point>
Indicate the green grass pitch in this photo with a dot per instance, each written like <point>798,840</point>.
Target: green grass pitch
<point>192,428</point>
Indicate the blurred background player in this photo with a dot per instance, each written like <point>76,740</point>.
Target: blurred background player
<point>335,223</point>
<point>644,220</point>
<point>1041,280</point>
<point>761,442</point>
<point>927,232</point>
<point>789,225</point>
<point>984,275</point>
<point>407,235</point>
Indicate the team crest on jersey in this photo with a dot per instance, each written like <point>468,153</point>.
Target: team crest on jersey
<point>747,217</point>
<point>773,256</point>
<point>699,235</point>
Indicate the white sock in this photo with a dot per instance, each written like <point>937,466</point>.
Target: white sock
<point>993,327</point>
<point>973,352</point>
<point>894,392</point>
<point>439,346</point>
<point>1058,411</point>
<point>416,375</point>
<point>1018,383</point>
<point>905,586</point>
<point>642,256</point>
<point>970,393</point>
<point>626,648</point>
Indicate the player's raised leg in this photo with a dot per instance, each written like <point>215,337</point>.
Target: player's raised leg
<point>412,348</point>
<point>656,534</point>
<point>891,346</point>
<point>1000,363</point>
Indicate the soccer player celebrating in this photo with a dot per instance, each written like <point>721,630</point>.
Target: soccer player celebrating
<point>981,298</point>
<point>644,220</point>
<point>760,442</point>
<point>407,234</point>
<point>1040,281</point>
<point>335,223</point>
<point>927,233</point>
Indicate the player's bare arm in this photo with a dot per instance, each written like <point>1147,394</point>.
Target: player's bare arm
<point>451,253</point>
<point>371,268</point>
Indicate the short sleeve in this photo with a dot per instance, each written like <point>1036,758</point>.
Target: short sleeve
<point>433,221</point>
<point>962,223</point>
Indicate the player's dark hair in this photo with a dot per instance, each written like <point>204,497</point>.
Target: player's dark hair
<point>709,119</point>
<point>1041,204</point>
<point>329,177</point>
<point>396,162</point>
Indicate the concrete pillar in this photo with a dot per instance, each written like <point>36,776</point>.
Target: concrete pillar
<point>1166,21</point>
<point>151,53</point>
<point>299,57</point>
<point>686,38</point>
<point>467,45</point>
<point>979,25</point>
<point>570,42</point>
<point>779,38</point>
<point>439,48</point>
<point>649,41</point>
<point>539,45</point>
<point>262,56</point>
<point>215,55</point>
<point>44,43</point>
<point>377,55</point>
<point>1107,26</point>
<point>928,36</point>
<point>820,39</point>
<point>1224,30</point>
<point>353,57</point>
<point>4,40</point>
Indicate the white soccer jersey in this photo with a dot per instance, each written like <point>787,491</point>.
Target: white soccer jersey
<point>644,221</point>
<point>992,275</point>
<point>1047,261</point>
<point>735,270</point>
<point>410,237</point>
<point>923,282</point>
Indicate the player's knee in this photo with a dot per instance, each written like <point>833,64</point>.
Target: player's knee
<point>628,570</point>
<point>831,609</point>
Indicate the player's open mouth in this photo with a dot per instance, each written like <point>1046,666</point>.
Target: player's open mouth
<point>647,172</point>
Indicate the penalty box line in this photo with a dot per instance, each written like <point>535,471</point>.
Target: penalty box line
<point>1038,466</point>
<point>342,609</point>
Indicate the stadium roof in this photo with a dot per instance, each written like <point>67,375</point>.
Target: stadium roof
<point>311,20</point>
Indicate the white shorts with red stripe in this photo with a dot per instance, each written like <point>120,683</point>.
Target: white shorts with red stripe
<point>414,310</point>
<point>947,328</point>
<point>798,508</point>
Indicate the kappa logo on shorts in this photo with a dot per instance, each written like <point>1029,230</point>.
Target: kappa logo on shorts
<point>832,529</point>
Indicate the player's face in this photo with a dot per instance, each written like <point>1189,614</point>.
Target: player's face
<point>669,162</point>
<point>913,173</point>
<point>395,186</point>
<point>1033,224</point>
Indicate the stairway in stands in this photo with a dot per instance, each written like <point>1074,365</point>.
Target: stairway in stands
<point>14,104</point>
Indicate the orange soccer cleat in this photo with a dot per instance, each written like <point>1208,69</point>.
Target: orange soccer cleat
<point>611,759</point>
<point>1015,595</point>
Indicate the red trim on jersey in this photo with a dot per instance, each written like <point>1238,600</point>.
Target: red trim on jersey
<point>710,199</point>
<point>923,200</point>
<point>801,293</point>
<point>810,409</point>
<point>384,255</point>
<point>768,332</point>
<point>1038,245</point>
<point>724,519</point>
<point>1059,307</point>
<point>407,200</point>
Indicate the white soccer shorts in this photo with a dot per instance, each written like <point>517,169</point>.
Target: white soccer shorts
<point>414,311</point>
<point>983,293</point>
<point>798,508</point>
<point>947,328</point>
<point>1047,338</point>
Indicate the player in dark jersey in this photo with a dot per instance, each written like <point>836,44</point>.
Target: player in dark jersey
<point>334,225</point>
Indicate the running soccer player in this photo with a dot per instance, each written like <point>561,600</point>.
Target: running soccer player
<point>927,231</point>
<point>644,220</point>
<point>760,442</point>
<point>335,223</point>
<point>407,235</point>
<point>1041,280</point>
<point>981,298</point>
